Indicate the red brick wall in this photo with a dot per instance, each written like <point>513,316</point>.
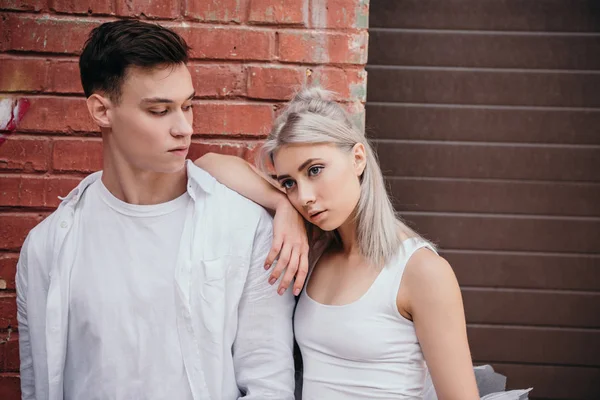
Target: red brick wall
<point>248,56</point>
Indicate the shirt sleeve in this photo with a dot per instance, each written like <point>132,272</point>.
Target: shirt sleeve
<point>263,348</point>
<point>25,353</point>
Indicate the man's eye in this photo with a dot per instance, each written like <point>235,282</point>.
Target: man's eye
<point>156,112</point>
<point>313,171</point>
<point>187,108</point>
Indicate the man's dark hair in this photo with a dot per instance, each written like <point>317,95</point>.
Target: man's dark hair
<point>113,47</point>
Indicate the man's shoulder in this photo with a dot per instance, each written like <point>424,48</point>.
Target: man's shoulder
<point>236,207</point>
<point>40,238</point>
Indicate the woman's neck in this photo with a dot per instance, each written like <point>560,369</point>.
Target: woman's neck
<point>348,233</point>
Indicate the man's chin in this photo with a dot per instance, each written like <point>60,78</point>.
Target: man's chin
<point>172,168</point>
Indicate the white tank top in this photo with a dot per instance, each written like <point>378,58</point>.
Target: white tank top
<point>365,349</point>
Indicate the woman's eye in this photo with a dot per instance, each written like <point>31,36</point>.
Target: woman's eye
<point>313,171</point>
<point>156,112</point>
<point>287,185</point>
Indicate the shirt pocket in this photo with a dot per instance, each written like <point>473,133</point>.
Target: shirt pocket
<point>209,294</point>
<point>216,269</point>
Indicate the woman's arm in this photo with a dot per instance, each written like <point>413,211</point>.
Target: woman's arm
<point>289,232</point>
<point>434,301</point>
<point>239,175</point>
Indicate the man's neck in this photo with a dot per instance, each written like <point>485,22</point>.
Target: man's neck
<point>143,187</point>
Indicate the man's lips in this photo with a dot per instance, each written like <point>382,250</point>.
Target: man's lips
<point>180,149</point>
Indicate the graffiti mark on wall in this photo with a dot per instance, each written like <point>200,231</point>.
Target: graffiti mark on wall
<point>11,113</point>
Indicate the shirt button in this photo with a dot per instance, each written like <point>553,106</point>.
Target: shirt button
<point>64,224</point>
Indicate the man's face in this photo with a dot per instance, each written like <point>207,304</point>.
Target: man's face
<point>151,126</point>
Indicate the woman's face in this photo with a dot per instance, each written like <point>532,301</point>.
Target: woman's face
<point>321,181</point>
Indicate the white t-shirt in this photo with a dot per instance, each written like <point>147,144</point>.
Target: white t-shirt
<point>122,339</point>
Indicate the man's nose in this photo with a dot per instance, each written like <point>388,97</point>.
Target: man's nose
<point>182,126</point>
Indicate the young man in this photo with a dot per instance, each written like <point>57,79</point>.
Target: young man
<point>149,280</point>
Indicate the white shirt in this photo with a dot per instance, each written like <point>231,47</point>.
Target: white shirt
<point>370,350</point>
<point>122,339</point>
<point>235,330</point>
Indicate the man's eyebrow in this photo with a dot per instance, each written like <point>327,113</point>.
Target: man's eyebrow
<point>300,168</point>
<point>155,100</point>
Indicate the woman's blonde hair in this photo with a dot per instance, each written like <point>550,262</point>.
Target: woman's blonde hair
<point>312,117</point>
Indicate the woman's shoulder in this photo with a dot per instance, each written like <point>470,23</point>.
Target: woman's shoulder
<point>427,267</point>
<point>428,274</point>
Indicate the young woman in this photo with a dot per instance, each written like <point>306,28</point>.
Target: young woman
<point>381,309</point>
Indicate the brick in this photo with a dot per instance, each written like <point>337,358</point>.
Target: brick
<point>233,119</point>
<point>19,153</point>
<point>63,77</point>
<point>228,43</point>
<point>102,7</point>
<point>149,8</point>
<point>8,311</point>
<point>340,14</point>
<point>10,190</point>
<point>251,153</point>
<point>57,114</point>
<point>12,110</point>
<point>22,75</point>
<point>217,81</point>
<point>14,229</point>
<point>323,47</point>
<point>215,10</point>
<point>77,155</point>
<point>46,34</point>
<point>22,5</point>
<point>39,75</point>
<point>35,191</point>
<point>10,386</point>
<point>357,114</point>
<point>279,12</point>
<point>348,83</point>
<point>274,82</point>
<point>240,149</point>
<point>9,351</point>
<point>8,269</point>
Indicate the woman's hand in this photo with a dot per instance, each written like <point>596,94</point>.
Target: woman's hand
<point>290,248</point>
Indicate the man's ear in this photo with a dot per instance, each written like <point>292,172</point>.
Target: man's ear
<point>360,158</point>
<point>99,108</point>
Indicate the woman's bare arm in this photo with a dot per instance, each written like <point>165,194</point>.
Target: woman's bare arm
<point>241,176</point>
<point>434,301</point>
<point>289,233</point>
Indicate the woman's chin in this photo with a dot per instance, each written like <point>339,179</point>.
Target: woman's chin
<point>327,227</point>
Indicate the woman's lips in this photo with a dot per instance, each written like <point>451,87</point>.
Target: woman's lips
<point>318,216</point>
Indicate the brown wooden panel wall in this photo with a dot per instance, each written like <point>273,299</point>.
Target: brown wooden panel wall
<point>486,118</point>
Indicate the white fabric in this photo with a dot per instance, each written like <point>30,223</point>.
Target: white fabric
<point>365,349</point>
<point>122,343</point>
<point>235,330</point>
<point>490,384</point>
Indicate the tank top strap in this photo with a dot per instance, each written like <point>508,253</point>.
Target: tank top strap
<point>395,268</point>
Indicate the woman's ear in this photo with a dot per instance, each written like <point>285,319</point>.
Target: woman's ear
<point>99,108</point>
<point>360,158</point>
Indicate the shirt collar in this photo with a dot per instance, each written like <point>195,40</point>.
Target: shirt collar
<point>197,178</point>
<point>200,177</point>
